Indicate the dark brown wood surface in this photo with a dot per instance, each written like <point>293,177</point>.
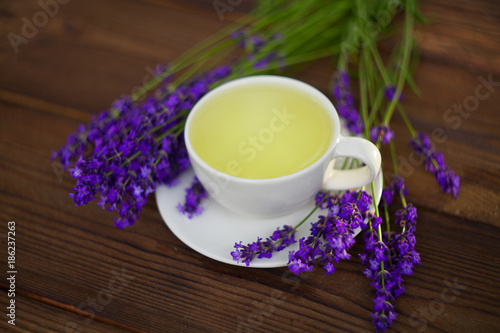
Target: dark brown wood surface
<point>78,273</point>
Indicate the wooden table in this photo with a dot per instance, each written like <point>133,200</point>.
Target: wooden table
<point>77,272</point>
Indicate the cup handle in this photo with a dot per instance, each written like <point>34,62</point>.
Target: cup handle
<point>361,149</point>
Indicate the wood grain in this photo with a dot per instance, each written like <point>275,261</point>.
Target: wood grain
<point>77,271</point>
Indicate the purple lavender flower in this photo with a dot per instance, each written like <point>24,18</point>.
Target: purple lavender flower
<point>159,70</point>
<point>237,34</point>
<point>399,185</point>
<point>194,196</point>
<point>266,61</point>
<point>332,235</point>
<point>387,260</point>
<point>253,44</point>
<point>448,180</point>
<point>421,143</point>
<point>434,163</point>
<point>387,195</point>
<point>376,221</point>
<point>125,152</point>
<point>384,313</point>
<point>302,260</point>
<point>381,133</point>
<point>390,91</point>
<point>406,217</point>
<point>363,201</point>
<point>280,239</point>
<point>284,237</point>
<point>341,91</point>
<point>375,259</point>
<point>328,201</point>
<point>396,186</point>
<point>256,42</point>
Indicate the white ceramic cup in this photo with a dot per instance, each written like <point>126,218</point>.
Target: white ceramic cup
<point>277,196</point>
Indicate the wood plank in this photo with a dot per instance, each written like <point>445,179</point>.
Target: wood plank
<point>91,53</point>
<point>464,33</point>
<point>33,316</point>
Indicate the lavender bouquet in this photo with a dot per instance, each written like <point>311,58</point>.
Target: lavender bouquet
<point>125,152</point>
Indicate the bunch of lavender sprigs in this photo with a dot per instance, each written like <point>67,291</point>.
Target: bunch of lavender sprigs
<point>125,152</point>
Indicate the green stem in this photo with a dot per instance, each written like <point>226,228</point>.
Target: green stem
<point>179,130</point>
<point>395,166</point>
<point>377,213</point>
<point>353,160</point>
<point>376,105</point>
<point>130,159</point>
<point>190,55</point>
<point>173,130</point>
<point>386,213</point>
<point>312,211</point>
<point>363,94</point>
<point>153,82</point>
<point>403,199</point>
<point>346,161</point>
<point>380,65</point>
<point>408,42</point>
<point>379,232</point>
<point>388,226</point>
<point>406,120</point>
<point>226,47</point>
<point>302,58</point>
<point>118,154</point>
<point>393,157</point>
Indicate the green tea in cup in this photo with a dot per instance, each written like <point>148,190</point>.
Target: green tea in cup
<point>261,131</point>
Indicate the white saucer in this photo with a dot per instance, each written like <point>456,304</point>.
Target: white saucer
<point>214,232</point>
